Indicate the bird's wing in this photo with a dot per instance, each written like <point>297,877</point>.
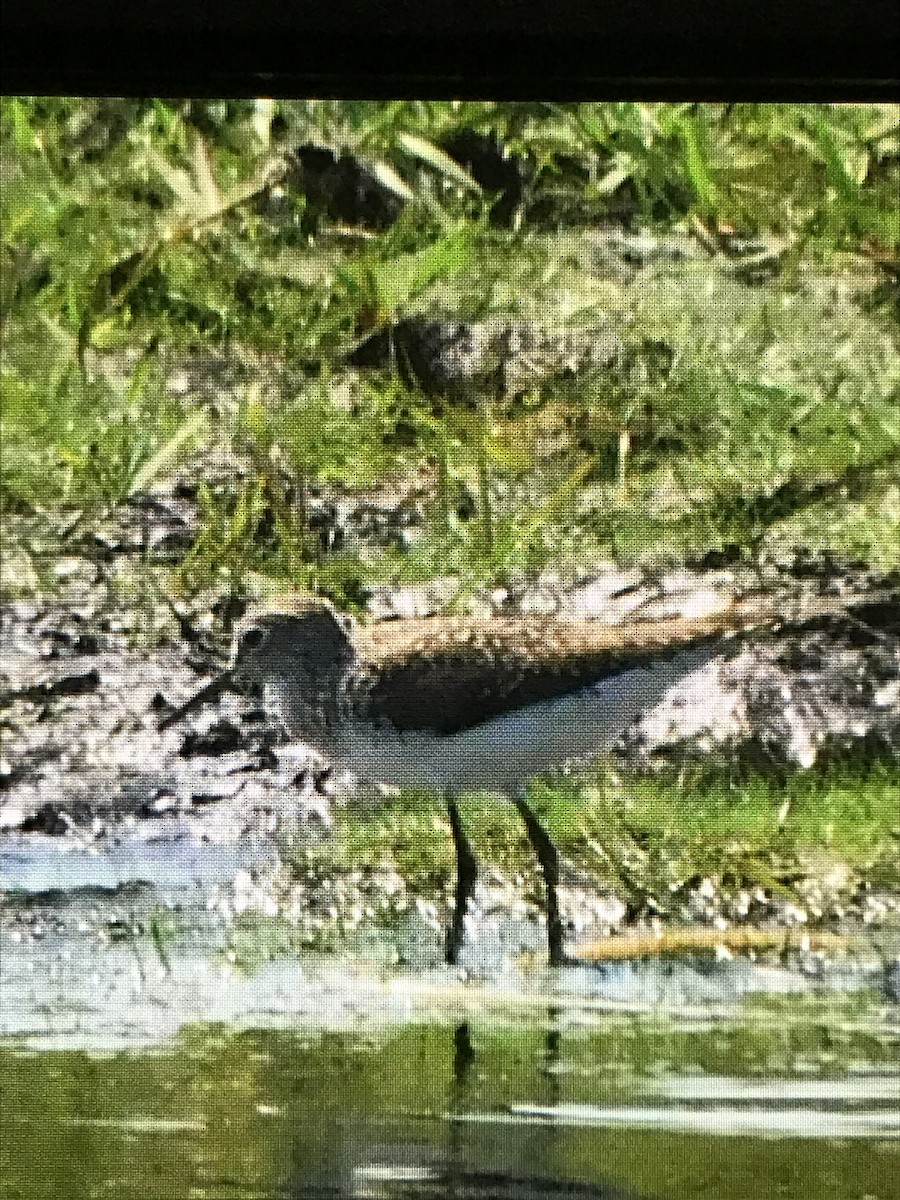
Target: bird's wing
<point>501,752</point>
<point>447,674</point>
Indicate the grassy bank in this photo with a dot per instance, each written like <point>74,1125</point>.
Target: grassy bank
<point>754,850</point>
<point>753,410</point>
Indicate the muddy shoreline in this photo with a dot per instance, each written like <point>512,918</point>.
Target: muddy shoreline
<point>127,854</point>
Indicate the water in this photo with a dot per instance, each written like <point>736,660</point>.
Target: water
<point>788,1099</point>
<point>140,1061</point>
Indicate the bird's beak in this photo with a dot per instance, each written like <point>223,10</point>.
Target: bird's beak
<point>210,691</point>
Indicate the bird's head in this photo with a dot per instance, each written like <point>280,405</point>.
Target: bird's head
<point>306,644</point>
<point>297,653</point>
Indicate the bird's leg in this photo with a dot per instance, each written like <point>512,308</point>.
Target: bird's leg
<point>548,857</point>
<point>466,876</point>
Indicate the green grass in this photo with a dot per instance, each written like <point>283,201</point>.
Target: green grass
<point>146,227</point>
<point>651,838</point>
<point>71,442</point>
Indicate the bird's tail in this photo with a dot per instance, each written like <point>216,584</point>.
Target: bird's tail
<point>877,608</point>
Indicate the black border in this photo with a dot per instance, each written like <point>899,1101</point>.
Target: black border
<point>697,49</point>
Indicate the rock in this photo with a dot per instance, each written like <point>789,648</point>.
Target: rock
<point>458,359</point>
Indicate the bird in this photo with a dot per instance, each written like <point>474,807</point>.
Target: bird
<point>455,703</point>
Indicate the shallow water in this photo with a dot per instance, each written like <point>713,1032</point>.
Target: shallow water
<point>140,1062</point>
<point>786,1100</point>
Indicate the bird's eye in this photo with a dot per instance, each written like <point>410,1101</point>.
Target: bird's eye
<point>253,638</point>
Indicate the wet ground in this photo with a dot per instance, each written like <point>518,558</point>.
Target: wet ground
<point>164,1035</point>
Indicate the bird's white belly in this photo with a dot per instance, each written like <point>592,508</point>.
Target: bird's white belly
<point>504,752</point>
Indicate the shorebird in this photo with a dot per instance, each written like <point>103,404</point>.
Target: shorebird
<point>460,703</point>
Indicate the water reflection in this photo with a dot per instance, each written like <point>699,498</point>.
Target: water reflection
<point>782,1100</point>
<point>419,1181</point>
<point>463,1055</point>
<point>451,1158</point>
